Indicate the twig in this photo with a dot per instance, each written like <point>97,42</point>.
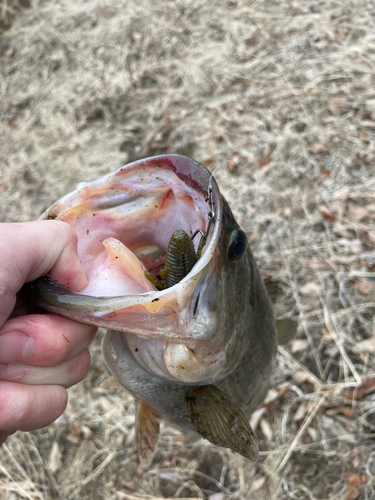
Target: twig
<point>313,411</point>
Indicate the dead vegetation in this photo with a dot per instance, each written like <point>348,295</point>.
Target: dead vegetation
<point>279,96</point>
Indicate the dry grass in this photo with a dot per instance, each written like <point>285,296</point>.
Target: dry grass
<point>281,96</point>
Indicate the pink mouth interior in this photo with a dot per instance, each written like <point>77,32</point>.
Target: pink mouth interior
<point>147,215</point>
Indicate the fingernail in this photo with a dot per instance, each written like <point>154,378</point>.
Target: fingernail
<point>15,347</point>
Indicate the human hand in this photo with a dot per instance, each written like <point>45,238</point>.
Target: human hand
<point>40,354</point>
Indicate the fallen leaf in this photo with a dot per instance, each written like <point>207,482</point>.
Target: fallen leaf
<point>263,161</point>
<point>344,410</point>
<point>75,434</point>
<point>334,427</point>
<point>233,163</point>
<point>341,230</point>
<point>272,395</point>
<point>337,208</point>
<point>207,162</point>
<point>258,484</point>
<point>300,413</point>
<point>325,173</point>
<point>105,404</point>
<point>317,264</point>
<point>326,335</point>
<point>110,383</point>
<point>86,431</point>
<point>363,135</point>
<point>266,429</point>
<point>313,433</point>
<point>279,211</point>
<point>317,148</point>
<point>334,107</point>
<point>307,439</point>
<point>55,457</point>
<point>367,345</point>
<point>299,345</point>
<point>359,213</point>
<point>352,488</point>
<point>364,288</point>
<point>300,377</point>
<point>310,288</point>
<point>341,194</point>
<point>359,392</point>
<point>256,416</point>
<point>355,246</point>
<point>371,237</point>
<point>216,496</point>
<point>284,389</point>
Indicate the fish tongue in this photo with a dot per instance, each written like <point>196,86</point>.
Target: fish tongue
<point>116,271</point>
<point>120,256</point>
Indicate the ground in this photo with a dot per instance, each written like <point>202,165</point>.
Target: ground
<point>278,98</point>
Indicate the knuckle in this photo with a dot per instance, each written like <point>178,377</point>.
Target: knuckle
<point>52,343</point>
<point>14,373</point>
<point>66,232</point>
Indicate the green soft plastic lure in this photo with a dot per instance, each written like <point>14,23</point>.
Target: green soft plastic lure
<point>179,261</point>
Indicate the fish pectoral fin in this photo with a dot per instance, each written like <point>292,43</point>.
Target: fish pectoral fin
<point>286,330</point>
<point>215,417</point>
<point>147,432</point>
<point>272,287</point>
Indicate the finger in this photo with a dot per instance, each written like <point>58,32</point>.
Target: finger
<point>43,339</point>
<point>30,407</point>
<point>66,374</point>
<point>33,249</point>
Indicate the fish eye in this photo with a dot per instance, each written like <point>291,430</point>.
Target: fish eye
<point>237,244</point>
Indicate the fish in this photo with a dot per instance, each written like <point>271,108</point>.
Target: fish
<point>198,351</point>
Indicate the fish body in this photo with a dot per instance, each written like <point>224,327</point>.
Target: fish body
<point>198,353</point>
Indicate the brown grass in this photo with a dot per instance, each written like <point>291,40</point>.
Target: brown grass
<point>278,95</point>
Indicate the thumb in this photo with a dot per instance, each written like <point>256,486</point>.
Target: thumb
<point>29,250</point>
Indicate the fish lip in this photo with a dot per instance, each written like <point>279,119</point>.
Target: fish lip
<point>196,176</point>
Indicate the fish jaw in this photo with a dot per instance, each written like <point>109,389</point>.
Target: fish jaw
<point>140,204</point>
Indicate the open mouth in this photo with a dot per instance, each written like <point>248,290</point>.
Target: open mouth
<point>124,227</point>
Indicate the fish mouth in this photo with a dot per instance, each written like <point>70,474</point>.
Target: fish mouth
<point>124,222</point>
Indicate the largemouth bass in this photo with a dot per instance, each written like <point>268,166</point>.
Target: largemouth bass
<point>197,352</point>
